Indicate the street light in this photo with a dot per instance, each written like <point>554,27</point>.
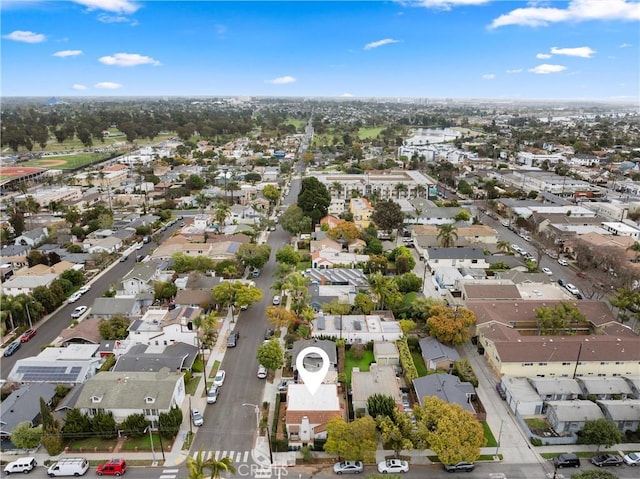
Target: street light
<point>26,306</point>
<point>151,439</point>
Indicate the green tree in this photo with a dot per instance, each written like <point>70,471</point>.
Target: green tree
<point>104,425</point>
<point>230,293</point>
<point>271,193</point>
<point>74,276</point>
<point>75,424</point>
<point>560,317</point>
<point>134,425</point>
<point>51,431</point>
<point>294,221</point>
<point>217,467</point>
<point>363,303</point>
<point>280,317</point>
<point>288,255</point>
<point>449,325</point>
<point>352,441</point>
<point>407,325</point>
<point>382,287</point>
<point>463,215</point>
<point>196,465</point>
<point>115,328</point>
<point>387,215</point>
<point>26,437</point>
<point>221,213</point>
<point>347,231</point>
<point>447,235</point>
<point>601,432</point>
<point>397,432</point>
<point>254,255</point>
<point>169,422</point>
<point>164,289</point>
<point>453,433</point>
<point>408,282</point>
<point>270,355</point>
<point>314,199</point>
<point>380,405</point>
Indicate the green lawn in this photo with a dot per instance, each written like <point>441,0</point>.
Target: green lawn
<point>89,444</point>
<point>71,161</point>
<point>192,385</point>
<point>214,369</point>
<point>143,443</point>
<point>303,265</point>
<point>491,441</point>
<point>364,133</point>
<point>418,360</point>
<point>363,363</point>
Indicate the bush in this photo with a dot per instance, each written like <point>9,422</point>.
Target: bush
<point>357,351</point>
<point>406,361</point>
<point>134,425</point>
<point>464,371</point>
<point>414,343</point>
<point>536,441</point>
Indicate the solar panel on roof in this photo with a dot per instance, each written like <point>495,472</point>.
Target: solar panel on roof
<point>61,374</point>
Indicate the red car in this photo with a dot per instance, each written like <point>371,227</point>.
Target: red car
<point>113,467</point>
<point>27,335</point>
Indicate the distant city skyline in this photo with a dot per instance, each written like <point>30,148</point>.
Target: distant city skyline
<point>560,50</point>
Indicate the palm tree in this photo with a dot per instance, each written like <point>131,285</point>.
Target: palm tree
<point>221,213</point>
<point>418,191</point>
<point>202,200</point>
<point>196,466</point>
<point>447,235</point>
<point>225,464</point>
<point>636,248</point>
<point>337,187</point>
<point>503,246</point>
<point>296,284</point>
<point>399,187</point>
<point>382,287</point>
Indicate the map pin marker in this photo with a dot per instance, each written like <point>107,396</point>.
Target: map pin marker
<point>312,379</point>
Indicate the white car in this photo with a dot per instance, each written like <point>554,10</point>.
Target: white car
<point>197,418</point>
<point>563,262</point>
<point>505,223</point>
<point>75,297</point>
<point>79,311</point>
<point>212,394</point>
<point>276,300</point>
<point>392,466</point>
<point>547,271</point>
<point>632,459</point>
<point>219,379</point>
<point>571,288</point>
<point>84,289</point>
<point>262,372</point>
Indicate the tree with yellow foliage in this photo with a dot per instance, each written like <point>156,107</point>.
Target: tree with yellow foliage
<point>449,325</point>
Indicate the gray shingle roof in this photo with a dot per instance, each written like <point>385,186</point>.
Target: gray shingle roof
<point>446,387</point>
<point>29,398</point>
<point>176,357</point>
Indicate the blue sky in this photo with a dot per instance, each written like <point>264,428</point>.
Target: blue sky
<point>576,49</point>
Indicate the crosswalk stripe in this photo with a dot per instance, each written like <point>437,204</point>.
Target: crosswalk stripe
<point>217,456</point>
<point>246,456</point>
<point>169,471</point>
<point>237,457</point>
<point>171,476</point>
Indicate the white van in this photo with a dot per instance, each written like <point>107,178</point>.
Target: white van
<point>24,464</point>
<point>70,466</point>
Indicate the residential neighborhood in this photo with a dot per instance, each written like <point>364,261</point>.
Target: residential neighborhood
<point>452,288</point>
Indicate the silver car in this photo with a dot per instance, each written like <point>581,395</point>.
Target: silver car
<point>196,417</point>
<point>212,394</point>
<point>348,467</point>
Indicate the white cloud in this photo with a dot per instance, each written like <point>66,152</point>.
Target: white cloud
<point>543,56</point>
<point>128,60</point>
<point>78,86</point>
<point>347,95</point>
<point>488,76</point>
<point>576,11</point>
<point>67,53</point>
<point>444,4</point>
<point>515,70</point>
<point>582,52</point>
<point>25,36</point>
<point>116,6</point>
<point>220,29</point>
<point>545,69</point>
<point>108,85</point>
<point>282,80</point>
<point>379,43</point>
<point>106,18</point>
<point>624,45</point>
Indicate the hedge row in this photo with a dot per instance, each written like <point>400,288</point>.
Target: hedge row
<point>406,361</point>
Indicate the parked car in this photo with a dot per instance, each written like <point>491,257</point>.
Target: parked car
<point>75,297</point>
<point>607,460</point>
<point>283,386</point>
<point>547,271</point>
<point>348,467</point>
<point>232,340</point>
<point>123,258</point>
<point>79,311</point>
<point>212,394</point>
<point>23,464</point>
<point>562,282</point>
<point>269,333</point>
<point>501,391</point>
<point>262,372</point>
<point>196,417</point>
<point>255,273</point>
<point>69,466</point>
<point>566,460</point>
<point>27,335</point>
<point>220,377</point>
<point>632,459</point>
<point>393,466</point>
<point>460,467</point>
<point>12,348</point>
<point>563,262</point>
<point>276,300</point>
<point>84,289</point>
<point>571,288</point>
<point>113,467</point>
